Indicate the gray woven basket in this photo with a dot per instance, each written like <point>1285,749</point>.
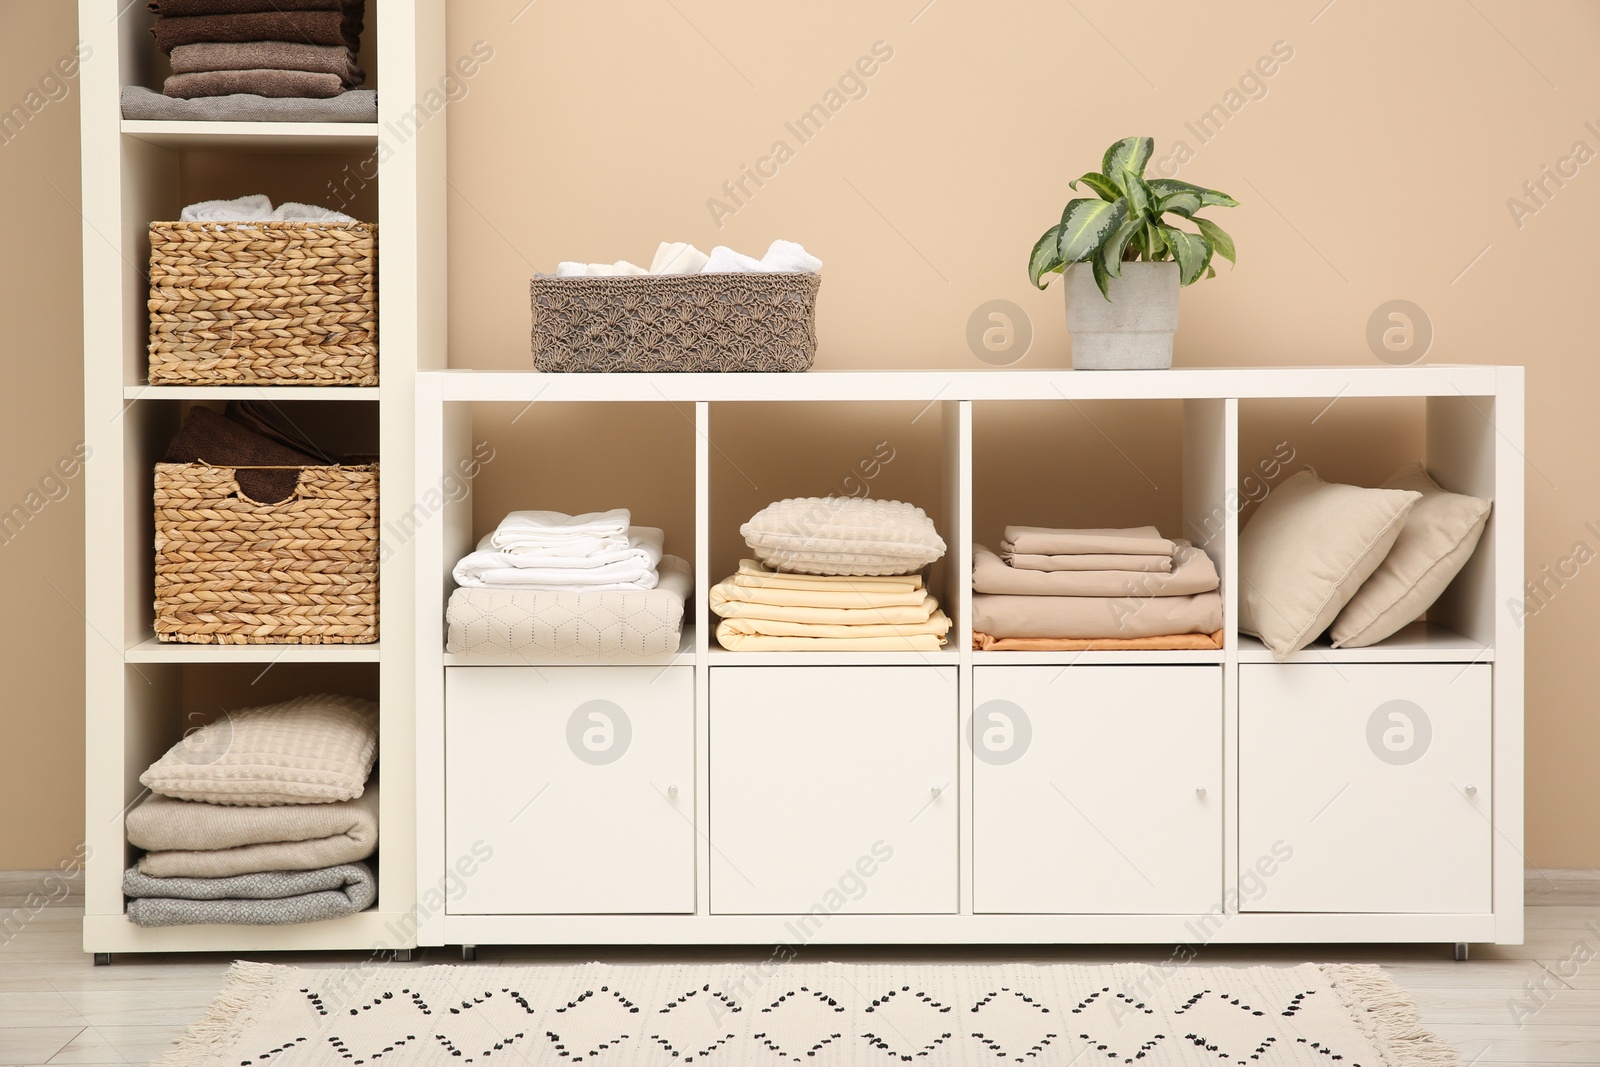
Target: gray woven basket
<point>675,322</point>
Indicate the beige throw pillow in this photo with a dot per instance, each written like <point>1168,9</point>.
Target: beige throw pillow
<point>1307,550</point>
<point>843,535</point>
<point>1438,539</point>
<point>309,750</point>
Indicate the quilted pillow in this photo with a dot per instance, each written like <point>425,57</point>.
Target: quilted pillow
<point>1438,539</point>
<point>309,750</point>
<point>1307,550</point>
<point>843,535</point>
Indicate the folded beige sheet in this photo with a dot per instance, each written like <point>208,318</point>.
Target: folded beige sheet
<point>1089,561</point>
<point>938,626</point>
<point>738,642</point>
<point>753,574</point>
<point>189,839</point>
<point>1194,573</point>
<point>1043,541</point>
<point>1172,643</point>
<point>730,591</point>
<point>1091,617</point>
<point>889,613</point>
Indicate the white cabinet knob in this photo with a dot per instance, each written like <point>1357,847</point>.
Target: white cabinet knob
<point>936,791</point>
<point>1472,790</point>
<point>1199,790</point>
<point>672,790</point>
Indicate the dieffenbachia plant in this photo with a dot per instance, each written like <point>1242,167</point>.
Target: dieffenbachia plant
<point>1127,222</point>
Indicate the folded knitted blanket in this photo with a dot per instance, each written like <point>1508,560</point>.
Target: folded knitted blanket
<point>309,27</point>
<point>189,839</point>
<point>271,898</point>
<point>143,105</point>
<point>260,82</point>
<point>1194,573</point>
<point>269,55</point>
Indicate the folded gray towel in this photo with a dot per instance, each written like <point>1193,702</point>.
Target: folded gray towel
<point>357,105</point>
<point>272,898</point>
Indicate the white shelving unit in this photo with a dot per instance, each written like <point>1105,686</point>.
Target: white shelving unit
<point>135,173</point>
<point>1185,776</point>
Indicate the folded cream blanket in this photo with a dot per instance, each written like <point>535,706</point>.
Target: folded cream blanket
<point>938,625</point>
<point>839,596</point>
<point>633,567</point>
<point>188,839</point>
<point>889,613</point>
<point>1088,561</point>
<point>572,626</point>
<point>558,534</point>
<point>1172,643</point>
<point>1043,541</point>
<point>1086,616</point>
<point>737,642</point>
<point>272,898</point>
<point>1194,573</point>
<point>753,574</point>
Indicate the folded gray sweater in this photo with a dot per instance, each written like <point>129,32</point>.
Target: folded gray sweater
<point>272,898</point>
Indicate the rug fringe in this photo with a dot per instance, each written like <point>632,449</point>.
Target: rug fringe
<point>249,986</point>
<point>1388,1016</point>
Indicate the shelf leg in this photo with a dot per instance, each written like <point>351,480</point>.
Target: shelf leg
<point>102,959</point>
<point>402,955</point>
<point>1461,951</point>
<point>469,953</point>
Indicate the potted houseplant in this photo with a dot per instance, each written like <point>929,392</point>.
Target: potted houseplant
<point>1124,260</point>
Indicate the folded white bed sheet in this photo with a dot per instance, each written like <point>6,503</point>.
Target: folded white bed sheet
<point>633,567</point>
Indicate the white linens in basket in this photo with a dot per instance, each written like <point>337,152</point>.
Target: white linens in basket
<point>633,567</point>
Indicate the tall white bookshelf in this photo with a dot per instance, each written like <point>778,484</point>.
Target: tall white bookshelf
<point>142,694</point>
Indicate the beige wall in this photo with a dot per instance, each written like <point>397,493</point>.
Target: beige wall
<point>1376,166</point>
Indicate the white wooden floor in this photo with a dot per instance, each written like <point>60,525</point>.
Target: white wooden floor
<point>1531,1005</point>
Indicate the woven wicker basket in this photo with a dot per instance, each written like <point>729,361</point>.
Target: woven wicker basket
<point>266,303</point>
<point>676,322</point>
<point>232,571</point>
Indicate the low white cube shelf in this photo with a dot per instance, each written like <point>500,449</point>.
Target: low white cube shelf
<point>991,797</point>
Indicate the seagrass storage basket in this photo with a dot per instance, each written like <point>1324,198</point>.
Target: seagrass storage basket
<point>235,571</point>
<point>676,322</point>
<point>264,303</point>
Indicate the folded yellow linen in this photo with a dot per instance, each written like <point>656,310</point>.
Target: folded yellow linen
<point>1171,643</point>
<point>1102,561</point>
<point>889,613</point>
<point>737,642</point>
<point>1044,541</point>
<point>1194,573</point>
<point>938,625</point>
<point>1092,616</point>
<point>753,574</point>
<point>839,597</point>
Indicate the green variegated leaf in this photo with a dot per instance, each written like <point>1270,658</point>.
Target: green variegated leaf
<point>1117,245</point>
<point>1046,256</point>
<point>1141,201</point>
<point>1221,243</point>
<point>1099,183</point>
<point>1154,247</point>
<point>1102,277</point>
<point>1127,156</point>
<point>1192,252</point>
<point>1182,202</point>
<point>1165,187</point>
<point>1085,225</point>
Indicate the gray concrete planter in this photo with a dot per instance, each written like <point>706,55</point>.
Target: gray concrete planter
<point>1131,331</point>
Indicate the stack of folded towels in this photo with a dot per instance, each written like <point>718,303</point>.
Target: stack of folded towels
<point>260,818</point>
<point>266,48</point>
<point>574,586</point>
<point>1068,590</point>
<point>833,573</point>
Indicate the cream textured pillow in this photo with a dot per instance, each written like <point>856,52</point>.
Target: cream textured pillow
<point>1307,550</point>
<point>843,535</point>
<point>1438,539</point>
<point>309,750</point>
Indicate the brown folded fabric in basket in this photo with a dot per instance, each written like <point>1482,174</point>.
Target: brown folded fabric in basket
<point>1173,643</point>
<point>258,82</point>
<point>171,8</point>
<point>310,27</point>
<point>207,437</point>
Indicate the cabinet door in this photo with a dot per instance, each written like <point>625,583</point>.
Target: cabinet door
<point>833,789</point>
<point>581,781</point>
<point>1376,776</point>
<point>1097,789</point>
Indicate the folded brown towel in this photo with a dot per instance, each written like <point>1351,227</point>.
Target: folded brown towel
<point>308,27</point>
<point>243,7</point>
<point>258,82</point>
<point>269,55</point>
<point>207,437</point>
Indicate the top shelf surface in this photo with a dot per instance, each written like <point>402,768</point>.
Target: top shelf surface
<point>306,137</point>
<point>928,386</point>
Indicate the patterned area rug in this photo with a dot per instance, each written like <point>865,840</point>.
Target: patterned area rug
<point>832,1014</point>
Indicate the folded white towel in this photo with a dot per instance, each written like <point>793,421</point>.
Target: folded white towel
<point>258,208</point>
<point>562,534</point>
<point>724,260</point>
<point>621,268</point>
<point>677,257</point>
<point>630,568</point>
<point>788,256</point>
